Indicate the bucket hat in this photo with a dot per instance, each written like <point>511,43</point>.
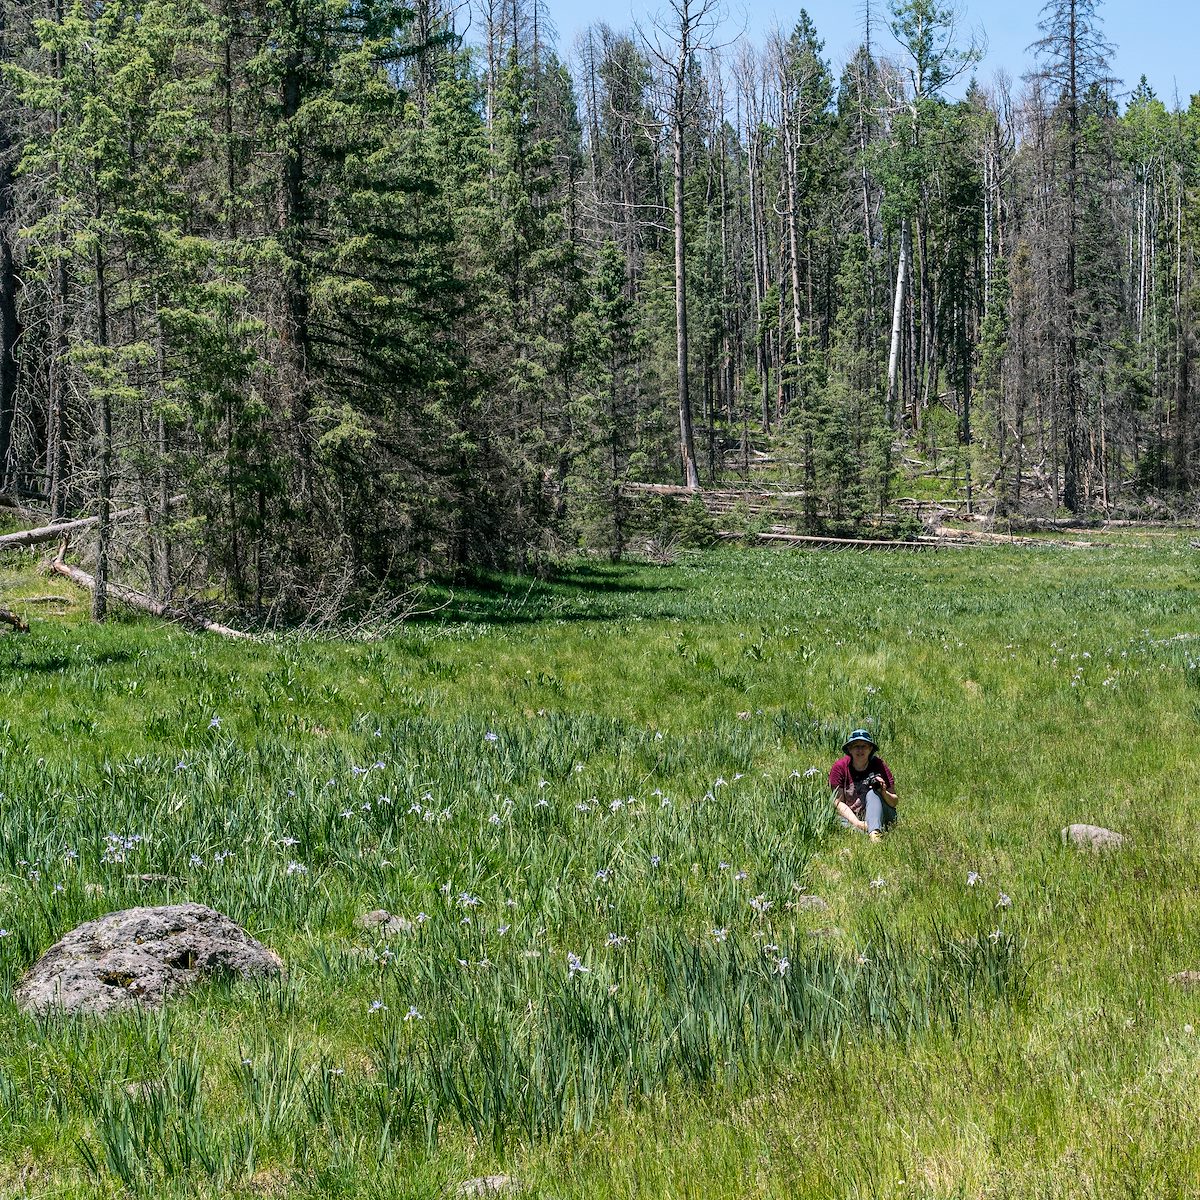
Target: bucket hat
<point>859,735</point>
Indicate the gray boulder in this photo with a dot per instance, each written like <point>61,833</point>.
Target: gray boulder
<point>1091,837</point>
<point>384,923</point>
<point>140,956</point>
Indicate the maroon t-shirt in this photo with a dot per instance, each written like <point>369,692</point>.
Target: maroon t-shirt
<point>854,783</point>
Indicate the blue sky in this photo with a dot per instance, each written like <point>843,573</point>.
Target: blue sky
<point>1157,38</point>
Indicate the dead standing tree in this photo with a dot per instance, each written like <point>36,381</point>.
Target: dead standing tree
<point>672,42</point>
<point>927,34</point>
<point>1074,57</point>
<point>10,328</point>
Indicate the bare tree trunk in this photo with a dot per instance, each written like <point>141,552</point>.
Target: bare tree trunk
<point>1181,381</point>
<point>687,447</point>
<point>9,281</point>
<point>292,217</point>
<point>790,225</point>
<point>902,268</point>
<point>758,240</point>
<point>104,421</point>
<point>989,171</point>
<point>56,416</point>
<point>1073,497</point>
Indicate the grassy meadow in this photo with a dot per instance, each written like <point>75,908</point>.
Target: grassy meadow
<point>601,804</point>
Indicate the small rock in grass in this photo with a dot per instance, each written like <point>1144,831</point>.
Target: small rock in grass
<point>825,931</point>
<point>384,923</point>
<point>272,1181</point>
<point>1091,837</point>
<point>140,956</point>
<point>1186,979</point>
<point>488,1185</point>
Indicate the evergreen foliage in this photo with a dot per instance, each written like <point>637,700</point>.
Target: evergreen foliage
<point>336,300</point>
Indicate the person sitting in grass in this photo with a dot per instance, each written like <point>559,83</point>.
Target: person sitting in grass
<point>864,792</point>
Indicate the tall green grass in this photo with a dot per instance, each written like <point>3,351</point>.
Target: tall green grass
<point>601,804</point>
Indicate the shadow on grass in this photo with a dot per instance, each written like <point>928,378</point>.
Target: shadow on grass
<point>494,598</point>
<point>38,659</point>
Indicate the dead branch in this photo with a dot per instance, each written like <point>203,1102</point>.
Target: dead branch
<point>10,618</point>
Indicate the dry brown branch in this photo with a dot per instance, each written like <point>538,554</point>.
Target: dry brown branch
<point>10,618</point>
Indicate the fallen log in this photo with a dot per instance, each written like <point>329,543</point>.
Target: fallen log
<point>951,536</point>
<point>10,618</point>
<point>142,602</point>
<point>51,533</point>
<point>629,488</point>
<point>816,540</point>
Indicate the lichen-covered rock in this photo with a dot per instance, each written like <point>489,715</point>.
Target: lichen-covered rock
<point>140,956</point>
<point>1091,837</point>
